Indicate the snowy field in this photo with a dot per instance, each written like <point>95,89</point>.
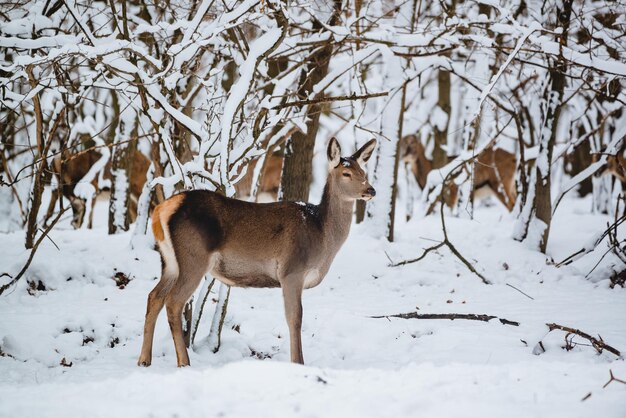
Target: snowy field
<point>70,343</point>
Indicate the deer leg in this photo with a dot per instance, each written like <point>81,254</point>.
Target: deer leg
<point>54,197</point>
<point>187,282</point>
<point>78,209</point>
<point>292,295</point>
<point>511,195</point>
<point>93,205</point>
<point>132,208</point>
<point>156,299</point>
<point>503,194</point>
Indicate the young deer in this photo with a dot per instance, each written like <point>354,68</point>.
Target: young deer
<point>282,244</point>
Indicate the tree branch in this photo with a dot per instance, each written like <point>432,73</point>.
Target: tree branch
<point>15,279</point>
<point>450,316</point>
<point>596,343</point>
<point>330,99</point>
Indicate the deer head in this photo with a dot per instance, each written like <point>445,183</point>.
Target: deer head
<point>347,175</point>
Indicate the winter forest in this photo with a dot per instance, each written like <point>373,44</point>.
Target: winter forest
<point>484,269</point>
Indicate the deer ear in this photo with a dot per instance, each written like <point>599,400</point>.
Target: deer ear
<point>365,152</point>
<point>334,153</point>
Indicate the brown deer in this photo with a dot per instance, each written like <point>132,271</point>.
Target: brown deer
<point>269,179</point>
<point>616,166</point>
<point>494,171</point>
<point>70,169</point>
<point>281,244</point>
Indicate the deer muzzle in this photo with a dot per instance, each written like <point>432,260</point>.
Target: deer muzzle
<point>369,193</point>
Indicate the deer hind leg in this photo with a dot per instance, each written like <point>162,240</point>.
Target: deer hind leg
<point>505,193</point>
<point>511,193</point>
<point>156,300</point>
<point>292,295</point>
<point>193,266</point>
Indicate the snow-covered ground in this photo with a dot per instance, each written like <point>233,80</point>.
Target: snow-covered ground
<point>356,366</point>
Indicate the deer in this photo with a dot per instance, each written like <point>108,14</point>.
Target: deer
<point>616,165</point>
<point>269,179</point>
<point>290,245</point>
<point>70,169</point>
<point>494,171</point>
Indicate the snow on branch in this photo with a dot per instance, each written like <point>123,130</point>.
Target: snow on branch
<point>259,50</point>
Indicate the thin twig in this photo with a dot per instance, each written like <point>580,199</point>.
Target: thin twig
<point>525,294</point>
<point>330,99</point>
<point>424,254</point>
<point>613,379</point>
<point>51,240</point>
<point>32,253</point>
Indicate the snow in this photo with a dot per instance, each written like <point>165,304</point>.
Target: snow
<point>84,188</point>
<point>384,165</point>
<point>237,94</point>
<point>71,330</point>
<point>121,194</point>
<point>43,42</point>
<point>355,365</point>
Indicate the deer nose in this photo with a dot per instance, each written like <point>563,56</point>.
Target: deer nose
<point>371,191</point>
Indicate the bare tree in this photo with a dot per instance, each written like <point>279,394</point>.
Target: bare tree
<point>297,166</point>
<point>536,216</point>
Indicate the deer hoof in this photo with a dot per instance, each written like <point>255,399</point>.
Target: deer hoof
<point>144,363</point>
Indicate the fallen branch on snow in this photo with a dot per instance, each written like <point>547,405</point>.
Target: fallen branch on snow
<point>597,343</point>
<point>450,316</point>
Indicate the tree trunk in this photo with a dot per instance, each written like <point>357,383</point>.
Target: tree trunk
<point>298,164</point>
<point>381,210</point>
<point>534,223</point>
<point>214,339</point>
<point>577,161</point>
<point>34,201</point>
<point>442,115</point>
<point>121,168</point>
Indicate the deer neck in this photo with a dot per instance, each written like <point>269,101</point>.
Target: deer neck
<point>336,216</point>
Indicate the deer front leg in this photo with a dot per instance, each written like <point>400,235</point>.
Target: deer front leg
<point>292,295</point>
<point>93,205</point>
<point>78,208</point>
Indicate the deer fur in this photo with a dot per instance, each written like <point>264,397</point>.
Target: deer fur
<point>282,244</point>
<point>616,165</point>
<point>494,171</point>
<point>269,179</point>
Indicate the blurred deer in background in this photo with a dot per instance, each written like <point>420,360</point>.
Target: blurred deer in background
<point>616,165</point>
<point>71,168</point>
<point>269,180</point>
<point>494,172</point>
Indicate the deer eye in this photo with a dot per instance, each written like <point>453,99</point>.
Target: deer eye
<point>346,174</point>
